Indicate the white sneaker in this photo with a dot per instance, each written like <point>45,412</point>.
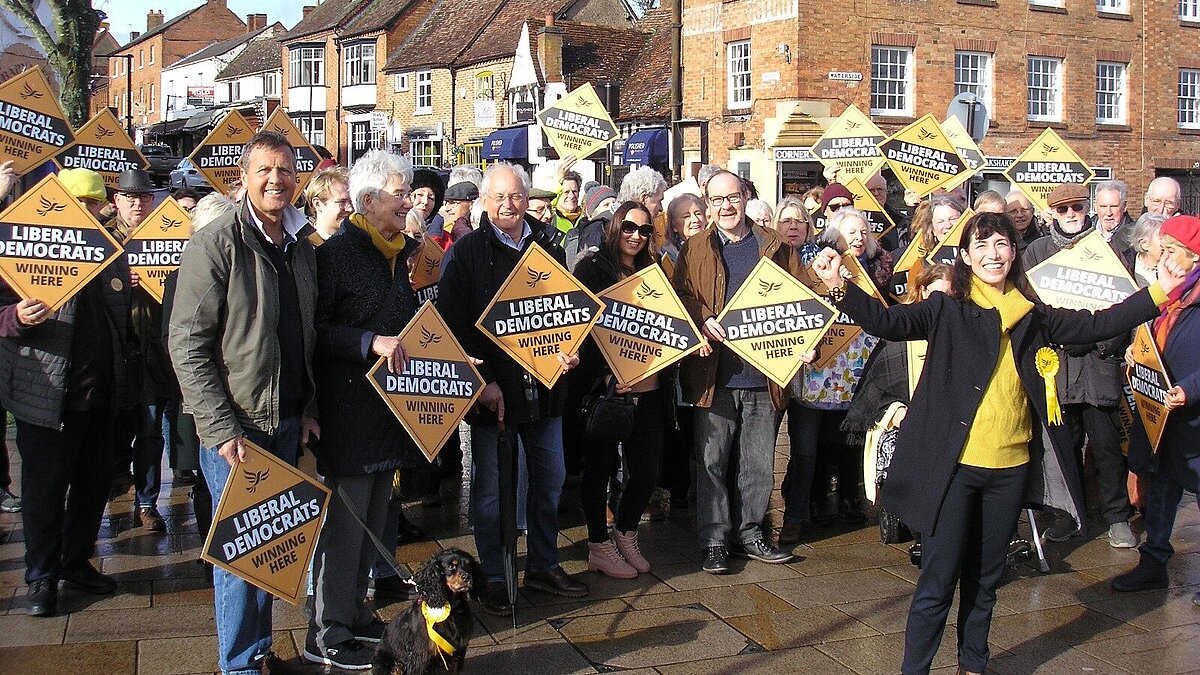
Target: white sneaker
<point>1121,536</point>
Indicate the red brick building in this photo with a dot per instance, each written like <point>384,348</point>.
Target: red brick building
<point>1118,79</point>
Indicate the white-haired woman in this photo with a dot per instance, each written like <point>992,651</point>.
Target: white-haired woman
<point>364,300</point>
<point>1145,248</point>
<point>760,212</point>
<point>828,390</point>
<point>647,187</point>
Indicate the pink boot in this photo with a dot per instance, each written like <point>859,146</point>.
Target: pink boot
<point>627,545</point>
<point>605,558</point>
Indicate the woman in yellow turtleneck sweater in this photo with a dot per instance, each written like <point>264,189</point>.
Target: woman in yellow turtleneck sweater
<point>982,434</point>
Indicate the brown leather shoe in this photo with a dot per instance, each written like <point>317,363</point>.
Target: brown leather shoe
<point>790,533</point>
<point>149,518</point>
<point>555,582</point>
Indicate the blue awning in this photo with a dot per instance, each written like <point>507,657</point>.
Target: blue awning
<point>511,143</point>
<point>648,146</point>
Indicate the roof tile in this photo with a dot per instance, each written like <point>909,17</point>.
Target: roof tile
<point>264,54</point>
<point>327,16</point>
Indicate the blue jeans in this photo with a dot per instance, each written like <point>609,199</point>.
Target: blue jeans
<point>243,611</point>
<point>1162,503</point>
<point>542,441</point>
<point>154,431</point>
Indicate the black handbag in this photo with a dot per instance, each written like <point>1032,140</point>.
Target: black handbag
<point>607,415</point>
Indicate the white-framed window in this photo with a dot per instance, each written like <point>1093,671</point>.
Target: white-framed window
<point>400,81</point>
<point>151,97</point>
<point>737,74</point>
<point>235,91</point>
<point>424,93</point>
<point>306,66</point>
<point>973,73</point>
<point>1047,3</point>
<point>312,128</point>
<point>892,81</point>
<point>1113,6</point>
<point>359,62</point>
<point>270,84</point>
<point>141,59</point>
<point>1110,92</point>
<point>360,139</point>
<point>1045,88</point>
<point>485,86</point>
<point>1189,10</point>
<point>425,152</point>
<point>151,54</point>
<point>1189,98</point>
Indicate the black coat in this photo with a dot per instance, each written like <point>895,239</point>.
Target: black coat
<point>358,297</point>
<point>473,270</point>
<point>964,346</point>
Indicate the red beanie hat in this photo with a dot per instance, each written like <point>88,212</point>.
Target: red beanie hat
<point>832,191</point>
<point>1186,229</point>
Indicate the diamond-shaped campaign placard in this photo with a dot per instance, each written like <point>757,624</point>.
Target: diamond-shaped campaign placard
<point>1087,275</point>
<point>307,158</point>
<point>921,156</point>
<point>33,126</point>
<point>947,249</point>
<point>426,270</point>
<point>101,145</point>
<point>909,264</point>
<point>50,246</point>
<point>154,248</point>
<point>539,311</point>
<point>880,222</point>
<point>216,158</point>
<point>438,385</point>
<point>577,124</point>
<point>851,144</point>
<point>643,327</point>
<point>772,319</point>
<point>1047,163</point>
<point>967,149</point>
<point>1150,382</point>
<point>844,329</point>
<point>267,523</point>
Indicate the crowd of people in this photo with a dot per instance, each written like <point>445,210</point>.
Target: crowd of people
<point>275,314</point>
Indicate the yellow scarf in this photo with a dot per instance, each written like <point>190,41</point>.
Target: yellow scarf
<point>434,616</point>
<point>999,436</point>
<point>389,248</point>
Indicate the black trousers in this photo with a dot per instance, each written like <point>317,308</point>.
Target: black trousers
<point>5,476</point>
<point>1099,424</point>
<point>678,453</point>
<point>643,456</point>
<point>968,549</point>
<point>65,479</point>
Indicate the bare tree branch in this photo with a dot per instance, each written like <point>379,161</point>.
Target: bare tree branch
<point>24,10</point>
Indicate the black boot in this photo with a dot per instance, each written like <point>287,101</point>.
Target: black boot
<point>1148,575</point>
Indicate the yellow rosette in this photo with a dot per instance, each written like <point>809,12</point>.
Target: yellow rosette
<point>434,616</point>
<point>1047,367</point>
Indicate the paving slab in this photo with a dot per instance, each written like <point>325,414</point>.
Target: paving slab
<point>831,589</point>
<point>70,659</point>
<point>800,627</point>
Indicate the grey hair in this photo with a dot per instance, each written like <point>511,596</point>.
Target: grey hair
<point>794,202</point>
<point>1161,180</point>
<point>641,183</point>
<point>1118,185</point>
<point>515,169</point>
<point>209,209</point>
<point>706,173</point>
<point>990,197</point>
<point>1147,225</point>
<point>831,236</point>
<point>1015,192</point>
<point>762,207</point>
<point>373,170</point>
<point>465,174</point>
<point>946,200</point>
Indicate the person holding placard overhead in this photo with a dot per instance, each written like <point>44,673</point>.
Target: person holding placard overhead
<point>982,427</point>
<point>1174,332</point>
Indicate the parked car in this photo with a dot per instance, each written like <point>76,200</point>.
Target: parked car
<point>162,160</point>
<point>185,175</point>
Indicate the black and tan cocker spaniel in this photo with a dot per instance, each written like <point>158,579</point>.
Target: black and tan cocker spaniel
<point>431,635</point>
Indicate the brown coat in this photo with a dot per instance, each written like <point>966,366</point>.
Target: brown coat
<point>700,282</point>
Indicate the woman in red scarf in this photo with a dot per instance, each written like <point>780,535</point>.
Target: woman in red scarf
<point>1178,458</point>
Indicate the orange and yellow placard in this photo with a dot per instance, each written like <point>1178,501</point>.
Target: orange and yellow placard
<point>1047,163</point>
<point>1150,382</point>
<point>307,158</point>
<point>33,126</point>
<point>844,329</point>
<point>851,144</point>
<point>153,249</point>
<point>426,270</point>
<point>947,249</point>
<point>1088,275</point>
<point>216,158</point>
<point>101,145</point>
<point>921,156</point>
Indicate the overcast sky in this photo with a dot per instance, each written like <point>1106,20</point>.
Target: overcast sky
<point>130,15</point>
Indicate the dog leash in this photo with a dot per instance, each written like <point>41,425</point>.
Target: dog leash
<point>389,556</point>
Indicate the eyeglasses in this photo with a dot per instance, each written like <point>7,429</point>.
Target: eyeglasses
<point>515,198</point>
<point>733,200</point>
<point>1077,207</point>
<point>138,196</point>
<point>629,227</point>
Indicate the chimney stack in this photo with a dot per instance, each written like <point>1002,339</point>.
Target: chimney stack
<point>255,22</point>
<point>154,19</point>
<point>134,34</point>
<point>550,50</point>
<point>307,9</point>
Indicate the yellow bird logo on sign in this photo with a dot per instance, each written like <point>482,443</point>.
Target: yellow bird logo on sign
<point>254,478</point>
<point>768,287</point>
<point>644,291</point>
<point>428,337</point>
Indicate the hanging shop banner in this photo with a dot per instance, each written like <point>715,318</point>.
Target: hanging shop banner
<point>33,126</point>
<point>1149,381</point>
<point>947,249</point>
<point>1087,275</point>
<point>643,327</point>
<point>921,156</point>
<point>851,144</point>
<point>844,329</point>
<point>216,158</point>
<point>773,319</point>
<point>267,523</point>
<point>967,149</point>
<point>50,246</point>
<point>427,270</point>
<point>101,145</point>
<point>577,124</point>
<point>540,310</point>
<point>438,386</point>
<point>306,157</point>
<point>154,247</point>
<point>1047,163</point>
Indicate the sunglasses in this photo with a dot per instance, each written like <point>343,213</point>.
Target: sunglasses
<point>629,227</point>
<point>1077,208</point>
<point>833,208</point>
